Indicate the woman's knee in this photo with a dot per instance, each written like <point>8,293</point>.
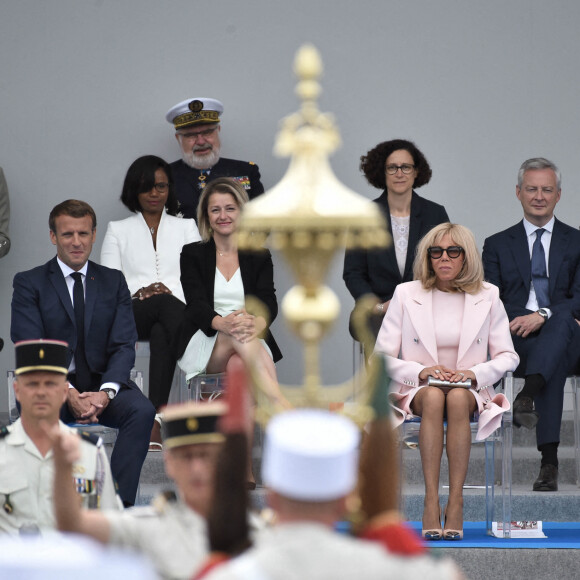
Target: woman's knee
<point>429,400</point>
<point>460,401</point>
<point>233,360</point>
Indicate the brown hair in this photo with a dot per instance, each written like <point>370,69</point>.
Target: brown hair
<point>72,208</point>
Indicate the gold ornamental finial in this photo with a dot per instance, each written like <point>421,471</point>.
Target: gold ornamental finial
<point>308,216</point>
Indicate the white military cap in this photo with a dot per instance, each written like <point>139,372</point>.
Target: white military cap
<point>194,112</point>
<point>311,455</point>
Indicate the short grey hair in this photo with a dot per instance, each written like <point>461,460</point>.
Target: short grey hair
<point>539,163</point>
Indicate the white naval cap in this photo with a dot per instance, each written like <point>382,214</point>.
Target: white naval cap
<point>311,455</point>
<point>194,112</point>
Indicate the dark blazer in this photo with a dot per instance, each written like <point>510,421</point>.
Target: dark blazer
<point>506,260</point>
<point>198,264</point>
<point>186,180</point>
<point>376,272</point>
<point>42,308</point>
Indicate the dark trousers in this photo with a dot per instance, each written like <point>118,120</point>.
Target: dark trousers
<point>132,414</point>
<point>159,320</point>
<point>551,352</point>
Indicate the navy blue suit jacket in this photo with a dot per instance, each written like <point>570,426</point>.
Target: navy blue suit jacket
<point>186,181</point>
<point>506,260</point>
<point>42,308</point>
<point>376,272</point>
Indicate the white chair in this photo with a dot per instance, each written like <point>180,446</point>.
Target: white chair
<point>206,387</point>
<point>499,444</point>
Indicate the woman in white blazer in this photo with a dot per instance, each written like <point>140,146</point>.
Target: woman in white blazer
<point>146,247</point>
<point>450,325</point>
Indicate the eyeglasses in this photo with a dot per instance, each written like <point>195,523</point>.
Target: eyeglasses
<point>436,252</point>
<point>406,168</point>
<point>194,136</point>
<point>161,187</point>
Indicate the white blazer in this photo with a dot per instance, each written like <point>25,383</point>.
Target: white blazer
<point>407,339</point>
<point>128,246</point>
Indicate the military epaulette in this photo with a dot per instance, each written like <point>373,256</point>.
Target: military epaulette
<point>89,437</point>
<point>161,501</point>
<point>169,496</point>
<point>4,431</point>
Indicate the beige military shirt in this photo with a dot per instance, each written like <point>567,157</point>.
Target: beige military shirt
<point>170,534</point>
<point>26,480</point>
<point>308,550</point>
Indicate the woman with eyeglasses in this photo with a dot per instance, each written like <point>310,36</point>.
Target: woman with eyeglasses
<point>146,247</point>
<point>447,327</point>
<point>398,168</point>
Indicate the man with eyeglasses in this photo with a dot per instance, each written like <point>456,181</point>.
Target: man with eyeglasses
<point>536,265</point>
<point>197,130</point>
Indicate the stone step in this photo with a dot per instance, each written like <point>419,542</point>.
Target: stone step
<point>525,466</point>
<point>560,506</point>
<point>527,437</point>
<point>153,470</point>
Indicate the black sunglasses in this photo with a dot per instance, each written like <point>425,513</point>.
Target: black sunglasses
<point>436,252</point>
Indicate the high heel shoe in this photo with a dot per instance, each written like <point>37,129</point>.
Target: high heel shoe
<point>448,533</point>
<point>434,534</point>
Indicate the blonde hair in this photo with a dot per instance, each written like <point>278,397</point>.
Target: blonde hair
<point>470,277</point>
<point>219,185</point>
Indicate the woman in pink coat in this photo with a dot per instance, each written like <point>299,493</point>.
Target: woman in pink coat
<point>450,325</point>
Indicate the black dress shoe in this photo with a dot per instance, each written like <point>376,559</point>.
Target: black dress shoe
<point>548,478</point>
<point>524,414</point>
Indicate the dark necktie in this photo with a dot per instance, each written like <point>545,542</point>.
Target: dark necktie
<point>83,375</point>
<point>539,275</point>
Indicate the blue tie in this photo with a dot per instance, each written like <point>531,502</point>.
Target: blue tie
<point>539,275</point>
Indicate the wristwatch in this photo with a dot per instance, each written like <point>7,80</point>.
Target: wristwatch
<point>110,393</point>
<point>543,313</point>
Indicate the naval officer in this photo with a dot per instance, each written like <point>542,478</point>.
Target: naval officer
<point>197,130</point>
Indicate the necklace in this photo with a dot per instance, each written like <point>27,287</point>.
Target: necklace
<point>152,230</point>
<point>222,254</point>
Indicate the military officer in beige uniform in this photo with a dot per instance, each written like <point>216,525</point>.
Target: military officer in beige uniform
<point>310,467</point>
<point>26,457</point>
<point>172,532</point>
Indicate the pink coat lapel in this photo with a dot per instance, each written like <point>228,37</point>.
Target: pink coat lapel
<point>420,309</point>
<point>475,311</point>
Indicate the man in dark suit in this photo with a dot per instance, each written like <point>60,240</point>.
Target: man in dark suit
<point>197,130</point>
<point>88,306</point>
<point>536,265</point>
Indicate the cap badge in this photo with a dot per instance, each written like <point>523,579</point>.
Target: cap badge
<point>192,424</point>
<point>41,354</point>
<point>195,106</point>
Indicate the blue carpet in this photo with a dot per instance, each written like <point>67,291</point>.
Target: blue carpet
<point>560,535</point>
